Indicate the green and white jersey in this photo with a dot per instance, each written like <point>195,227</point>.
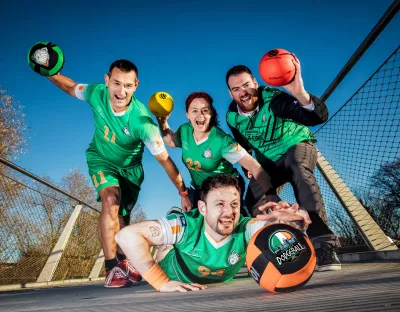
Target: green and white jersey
<point>196,256</point>
<point>119,138</point>
<point>268,135</point>
<point>215,154</point>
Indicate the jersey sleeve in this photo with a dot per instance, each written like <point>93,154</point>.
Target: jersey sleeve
<point>173,227</point>
<point>84,91</point>
<point>231,150</point>
<point>252,227</point>
<point>150,135</point>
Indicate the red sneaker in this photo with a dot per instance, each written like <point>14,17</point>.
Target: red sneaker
<point>116,278</point>
<point>130,271</point>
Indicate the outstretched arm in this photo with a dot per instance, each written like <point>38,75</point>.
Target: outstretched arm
<point>296,106</point>
<point>172,171</point>
<point>262,177</point>
<point>136,240</point>
<point>64,83</point>
<point>167,133</point>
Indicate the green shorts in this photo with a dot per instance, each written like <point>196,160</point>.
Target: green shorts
<point>105,174</point>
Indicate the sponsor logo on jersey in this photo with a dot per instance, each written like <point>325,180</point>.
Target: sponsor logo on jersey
<point>126,131</point>
<point>100,111</point>
<point>194,252</point>
<point>41,56</point>
<point>254,135</point>
<point>182,220</point>
<point>207,153</point>
<point>285,247</point>
<point>234,258</point>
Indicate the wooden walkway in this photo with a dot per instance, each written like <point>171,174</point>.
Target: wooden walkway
<point>357,287</point>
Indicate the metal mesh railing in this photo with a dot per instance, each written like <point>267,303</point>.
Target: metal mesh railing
<point>83,248</point>
<point>32,218</point>
<point>362,143</point>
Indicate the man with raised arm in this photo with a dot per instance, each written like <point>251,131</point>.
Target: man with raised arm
<point>274,125</point>
<point>122,128</point>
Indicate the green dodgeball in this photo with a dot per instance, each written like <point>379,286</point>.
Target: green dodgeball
<point>46,58</point>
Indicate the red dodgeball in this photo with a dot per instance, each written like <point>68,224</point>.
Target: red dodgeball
<point>276,67</point>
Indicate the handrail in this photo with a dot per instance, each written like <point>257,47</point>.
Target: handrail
<point>31,175</point>
<point>379,27</point>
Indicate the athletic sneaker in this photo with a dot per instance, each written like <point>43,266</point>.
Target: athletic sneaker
<point>327,259</point>
<point>130,271</point>
<point>116,278</point>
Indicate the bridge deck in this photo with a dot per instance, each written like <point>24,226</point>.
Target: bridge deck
<point>357,287</point>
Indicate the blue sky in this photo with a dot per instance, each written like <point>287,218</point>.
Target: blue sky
<point>179,47</point>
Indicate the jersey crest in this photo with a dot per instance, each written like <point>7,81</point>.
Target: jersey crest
<point>234,258</point>
<point>207,153</point>
<point>126,131</point>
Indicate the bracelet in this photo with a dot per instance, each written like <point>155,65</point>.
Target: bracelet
<point>156,277</point>
<point>184,193</point>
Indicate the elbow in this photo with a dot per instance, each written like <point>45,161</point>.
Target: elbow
<point>71,91</point>
<point>256,170</point>
<point>325,117</point>
<point>163,158</point>
<point>169,143</point>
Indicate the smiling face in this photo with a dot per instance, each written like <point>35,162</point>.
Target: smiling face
<point>121,86</point>
<point>199,113</point>
<point>243,89</point>
<point>221,211</point>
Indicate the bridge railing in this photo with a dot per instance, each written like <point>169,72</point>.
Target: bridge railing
<point>45,233</point>
<point>359,162</point>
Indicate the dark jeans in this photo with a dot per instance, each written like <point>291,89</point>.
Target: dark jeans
<point>195,197</point>
<point>296,167</point>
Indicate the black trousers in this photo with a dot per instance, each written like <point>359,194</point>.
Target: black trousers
<point>296,167</point>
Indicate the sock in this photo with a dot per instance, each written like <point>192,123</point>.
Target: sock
<point>111,264</point>
<point>120,257</point>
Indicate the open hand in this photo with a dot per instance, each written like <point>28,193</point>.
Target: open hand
<point>296,87</point>
<point>282,212</point>
<point>173,286</point>
<point>186,203</point>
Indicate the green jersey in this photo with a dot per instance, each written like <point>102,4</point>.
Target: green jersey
<point>215,154</point>
<point>268,135</point>
<point>196,256</point>
<point>119,138</point>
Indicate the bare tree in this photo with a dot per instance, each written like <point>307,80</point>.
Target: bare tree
<point>12,144</point>
<point>12,127</point>
<point>78,185</point>
<point>383,201</point>
<point>345,229</point>
<point>138,215</point>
